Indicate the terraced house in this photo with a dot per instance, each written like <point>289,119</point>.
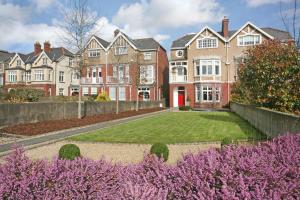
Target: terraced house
<point>126,68</point>
<point>48,69</point>
<point>204,65</point>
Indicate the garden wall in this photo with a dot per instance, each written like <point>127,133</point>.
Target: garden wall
<point>11,114</point>
<point>271,123</point>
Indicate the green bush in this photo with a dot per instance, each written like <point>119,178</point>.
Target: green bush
<point>24,95</point>
<point>226,141</point>
<point>69,152</point>
<point>184,108</point>
<point>103,97</point>
<point>160,150</point>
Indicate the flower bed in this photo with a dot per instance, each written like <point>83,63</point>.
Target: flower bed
<point>56,125</point>
<point>269,170</point>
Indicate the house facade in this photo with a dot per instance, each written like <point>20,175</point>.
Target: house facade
<point>5,58</point>
<point>203,65</point>
<point>48,69</point>
<point>125,68</point>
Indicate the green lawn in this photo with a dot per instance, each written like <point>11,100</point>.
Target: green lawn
<point>176,127</point>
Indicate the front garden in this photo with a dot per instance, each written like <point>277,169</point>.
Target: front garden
<point>269,170</point>
<point>177,127</point>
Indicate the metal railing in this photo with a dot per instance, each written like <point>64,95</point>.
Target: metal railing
<point>123,80</point>
<point>86,80</point>
<point>178,78</point>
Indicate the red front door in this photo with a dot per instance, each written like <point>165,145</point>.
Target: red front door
<point>181,101</point>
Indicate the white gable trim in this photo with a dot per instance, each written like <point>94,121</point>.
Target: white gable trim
<point>250,24</point>
<point>121,35</point>
<point>94,38</point>
<point>199,33</point>
<point>39,57</point>
<point>15,57</point>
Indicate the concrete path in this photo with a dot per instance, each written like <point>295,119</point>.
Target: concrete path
<point>36,141</point>
<point>118,153</point>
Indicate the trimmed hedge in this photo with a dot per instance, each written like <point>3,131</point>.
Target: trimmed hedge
<point>184,108</point>
<point>269,170</point>
<point>69,152</point>
<point>24,95</point>
<point>160,150</point>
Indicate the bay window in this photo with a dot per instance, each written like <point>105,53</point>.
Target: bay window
<point>39,75</point>
<point>146,73</point>
<point>122,94</point>
<point>147,56</point>
<point>207,93</point>
<point>112,93</point>
<point>12,76</point>
<point>207,67</point>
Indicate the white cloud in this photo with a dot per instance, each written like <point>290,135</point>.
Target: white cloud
<point>42,4</point>
<point>256,3</point>
<point>149,18</point>
<point>9,11</point>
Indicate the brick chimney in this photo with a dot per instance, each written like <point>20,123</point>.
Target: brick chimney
<point>47,46</point>
<point>116,32</point>
<point>37,48</point>
<point>225,23</point>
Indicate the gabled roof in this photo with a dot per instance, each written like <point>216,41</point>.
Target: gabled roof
<point>272,33</point>
<point>278,34</point>
<point>206,28</point>
<point>5,56</point>
<point>127,38</point>
<point>104,43</point>
<point>182,41</point>
<point>250,24</point>
<point>146,44</point>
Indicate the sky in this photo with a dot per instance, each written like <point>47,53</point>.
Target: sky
<point>23,22</point>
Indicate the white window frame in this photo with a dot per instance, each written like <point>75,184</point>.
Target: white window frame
<point>61,92</point>
<point>144,90</point>
<point>147,55</point>
<point>39,75</point>
<point>93,53</point>
<point>122,93</point>
<point>206,40</point>
<point>241,37</point>
<point>19,62</point>
<point>45,61</point>
<point>61,76</point>
<point>145,71</point>
<point>94,90</point>
<point>85,91</point>
<point>112,93</point>
<point>28,76</point>
<point>177,53</point>
<point>204,63</point>
<point>207,90</point>
<point>12,76</point>
<point>121,50</point>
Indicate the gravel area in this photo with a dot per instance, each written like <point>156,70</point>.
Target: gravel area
<point>117,153</point>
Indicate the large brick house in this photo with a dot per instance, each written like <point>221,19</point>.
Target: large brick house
<point>48,69</point>
<point>130,68</point>
<point>203,65</point>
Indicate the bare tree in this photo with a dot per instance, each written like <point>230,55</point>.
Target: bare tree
<point>290,18</point>
<point>77,25</point>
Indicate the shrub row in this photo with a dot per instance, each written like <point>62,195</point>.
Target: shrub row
<point>269,170</point>
<point>24,95</point>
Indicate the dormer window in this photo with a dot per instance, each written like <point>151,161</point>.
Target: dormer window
<point>19,63</point>
<point>92,53</point>
<point>45,61</point>
<point>179,53</point>
<point>248,40</point>
<point>207,43</point>
<point>121,50</point>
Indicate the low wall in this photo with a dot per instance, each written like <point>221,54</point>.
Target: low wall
<point>11,114</point>
<point>271,123</point>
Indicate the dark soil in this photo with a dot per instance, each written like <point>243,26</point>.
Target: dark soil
<point>56,125</point>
